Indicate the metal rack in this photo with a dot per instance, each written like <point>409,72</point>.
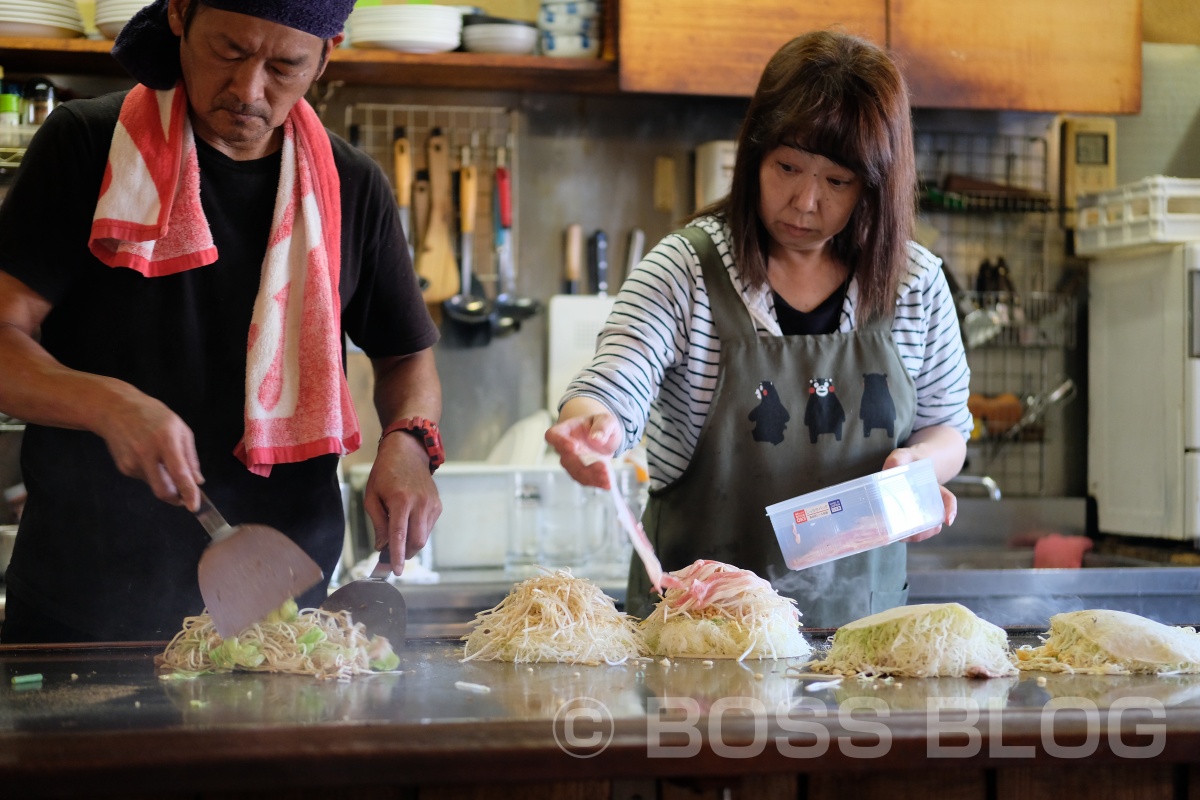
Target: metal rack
<point>482,128</point>
<point>1028,327</point>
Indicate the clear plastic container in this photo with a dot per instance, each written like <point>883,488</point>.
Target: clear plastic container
<point>857,515</point>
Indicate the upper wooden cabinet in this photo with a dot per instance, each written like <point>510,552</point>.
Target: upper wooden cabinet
<point>1030,55</point>
<point>717,47</point>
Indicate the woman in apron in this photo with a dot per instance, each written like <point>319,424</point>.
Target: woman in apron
<point>789,338</point>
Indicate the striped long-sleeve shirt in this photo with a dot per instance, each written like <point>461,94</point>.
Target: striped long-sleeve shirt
<point>657,356</point>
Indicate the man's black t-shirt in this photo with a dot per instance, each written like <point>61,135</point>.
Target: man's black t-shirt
<point>96,550</point>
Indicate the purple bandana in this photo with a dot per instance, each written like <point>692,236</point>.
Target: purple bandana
<point>149,52</point>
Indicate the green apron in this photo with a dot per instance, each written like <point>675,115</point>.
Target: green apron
<point>789,415</point>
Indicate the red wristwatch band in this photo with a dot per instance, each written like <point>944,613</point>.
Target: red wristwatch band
<point>425,430</point>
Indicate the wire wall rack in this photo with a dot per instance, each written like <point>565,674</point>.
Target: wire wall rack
<point>988,213</point>
<point>480,133</point>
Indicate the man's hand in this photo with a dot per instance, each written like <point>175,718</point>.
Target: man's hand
<point>150,442</point>
<point>401,498</point>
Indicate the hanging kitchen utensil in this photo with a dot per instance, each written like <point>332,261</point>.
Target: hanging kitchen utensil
<point>435,258</point>
<point>466,306</point>
<point>402,172</point>
<point>420,206</point>
<point>598,261</point>
<point>375,603</point>
<point>248,571</point>
<point>634,252</point>
<point>508,302</point>
<point>574,322</point>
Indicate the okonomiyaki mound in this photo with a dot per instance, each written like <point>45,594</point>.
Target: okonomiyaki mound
<point>1113,643</point>
<point>920,641</point>
<point>715,610</point>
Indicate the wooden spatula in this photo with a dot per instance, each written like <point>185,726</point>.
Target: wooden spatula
<point>435,258</point>
<point>248,571</point>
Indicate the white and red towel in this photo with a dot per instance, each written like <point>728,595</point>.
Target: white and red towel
<point>149,219</point>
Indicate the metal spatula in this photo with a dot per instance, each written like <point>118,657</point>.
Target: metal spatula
<point>248,571</point>
<point>374,602</point>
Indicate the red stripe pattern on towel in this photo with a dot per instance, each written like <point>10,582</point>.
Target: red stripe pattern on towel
<point>149,219</point>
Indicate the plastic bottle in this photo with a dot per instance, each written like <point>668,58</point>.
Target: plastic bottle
<point>10,118</point>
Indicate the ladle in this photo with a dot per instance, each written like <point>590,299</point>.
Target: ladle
<point>465,306</point>
<point>508,302</point>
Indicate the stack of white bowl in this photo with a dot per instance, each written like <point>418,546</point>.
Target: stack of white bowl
<point>484,34</point>
<point>571,29</point>
<point>408,28</point>
<point>111,15</point>
<point>52,19</point>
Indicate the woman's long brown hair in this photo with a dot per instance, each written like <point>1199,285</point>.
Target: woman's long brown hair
<point>843,98</point>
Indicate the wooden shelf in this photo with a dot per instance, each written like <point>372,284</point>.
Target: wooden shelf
<point>355,66</point>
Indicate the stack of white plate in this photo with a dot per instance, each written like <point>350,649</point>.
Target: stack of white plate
<point>53,19</point>
<point>111,15</point>
<point>409,29</point>
<point>570,29</point>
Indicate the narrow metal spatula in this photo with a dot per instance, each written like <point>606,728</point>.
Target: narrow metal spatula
<point>374,602</point>
<point>248,571</point>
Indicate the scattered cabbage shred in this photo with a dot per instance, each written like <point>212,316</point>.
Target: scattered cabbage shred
<point>717,610</point>
<point>1113,643</point>
<point>554,617</point>
<point>920,641</point>
<point>309,642</point>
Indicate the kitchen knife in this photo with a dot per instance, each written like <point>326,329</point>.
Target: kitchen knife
<point>374,602</point>
<point>248,571</point>
<point>467,199</point>
<point>402,171</point>
<point>637,246</point>
<point>572,259</point>
<point>598,262</point>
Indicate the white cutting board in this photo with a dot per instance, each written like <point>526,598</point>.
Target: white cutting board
<point>574,322</point>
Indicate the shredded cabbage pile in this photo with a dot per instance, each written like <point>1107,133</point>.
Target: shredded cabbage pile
<point>309,642</point>
<point>720,611</point>
<point>920,641</point>
<point>554,617</point>
<point>1112,643</point>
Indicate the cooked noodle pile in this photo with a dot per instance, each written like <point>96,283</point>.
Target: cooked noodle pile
<point>721,611</point>
<point>554,617</point>
<point>309,642</point>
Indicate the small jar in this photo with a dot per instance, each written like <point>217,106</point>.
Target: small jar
<point>40,99</point>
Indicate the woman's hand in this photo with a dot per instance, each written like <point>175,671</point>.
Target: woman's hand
<point>906,455</point>
<point>585,438</point>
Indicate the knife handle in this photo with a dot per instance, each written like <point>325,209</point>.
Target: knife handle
<point>598,250</point>
<point>574,258</point>
<point>467,199</point>
<point>504,193</point>
<point>402,162</point>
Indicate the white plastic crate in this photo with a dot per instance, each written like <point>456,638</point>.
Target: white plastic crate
<point>1154,210</point>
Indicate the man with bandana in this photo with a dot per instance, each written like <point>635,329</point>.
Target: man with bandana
<point>184,326</point>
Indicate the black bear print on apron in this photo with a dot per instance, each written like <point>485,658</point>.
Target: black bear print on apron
<point>770,418</point>
<point>824,413</point>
